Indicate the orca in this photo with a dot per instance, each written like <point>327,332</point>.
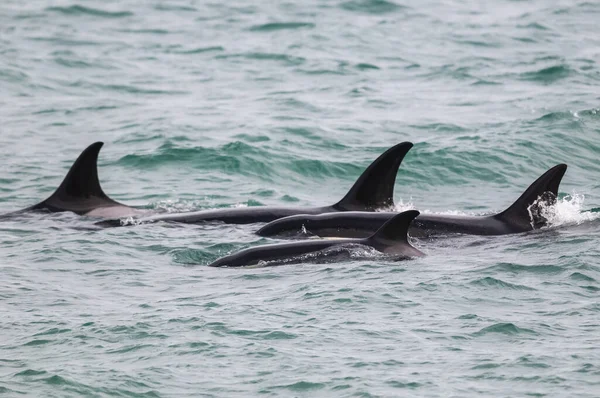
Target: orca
<point>390,239</point>
<point>80,192</point>
<point>373,190</point>
<point>523,215</point>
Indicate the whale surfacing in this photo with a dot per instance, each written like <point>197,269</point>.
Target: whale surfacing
<point>523,215</point>
<point>373,190</point>
<point>390,239</point>
<point>80,192</point>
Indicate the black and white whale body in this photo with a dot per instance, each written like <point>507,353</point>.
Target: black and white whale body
<point>80,192</point>
<point>373,190</point>
<point>390,239</point>
<point>523,215</point>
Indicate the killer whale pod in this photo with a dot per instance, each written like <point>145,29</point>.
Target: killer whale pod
<point>80,192</point>
<point>523,215</point>
<point>373,190</point>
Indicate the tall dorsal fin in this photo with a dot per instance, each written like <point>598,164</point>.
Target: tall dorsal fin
<point>80,191</point>
<point>392,237</point>
<point>374,189</point>
<point>525,212</point>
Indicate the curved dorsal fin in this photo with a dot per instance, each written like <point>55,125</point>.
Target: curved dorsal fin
<point>80,191</point>
<point>525,212</point>
<point>392,237</point>
<point>374,189</point>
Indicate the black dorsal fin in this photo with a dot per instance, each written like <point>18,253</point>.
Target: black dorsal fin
<point>392,237</point>
<point>525,213</point>
<point>80,191</point>
<point>374,189</point>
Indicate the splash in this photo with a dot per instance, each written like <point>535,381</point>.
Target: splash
<point>458,213</point>
<point>184,206</point>
<point>175,206</point>
<point>303,231</point>
<point>130,221</point>
<point>567,210</point>
<point>400,206</point>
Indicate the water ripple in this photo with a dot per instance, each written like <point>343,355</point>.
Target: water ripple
<point>82,10</point>
<point>210,105</point>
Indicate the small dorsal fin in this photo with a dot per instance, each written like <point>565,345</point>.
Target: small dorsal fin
<point>525,214</point>
<point>374,189</point>
<point>80,191</point>
<point>392,237</point>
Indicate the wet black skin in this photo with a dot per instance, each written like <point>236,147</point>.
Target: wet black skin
<point>373,189</point>
<point>362,224</point>
<point>391,239</point>
<point>81,193</point>
<point>523,215</point>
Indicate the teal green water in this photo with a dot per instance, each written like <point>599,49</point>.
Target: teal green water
<point>205,105</point>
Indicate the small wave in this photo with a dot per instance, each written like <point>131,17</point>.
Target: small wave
<point>59,41</point>
<point>493,282</point>
<point>11,75</point>
<point>252,138</point>
<point>556,116</point>
<point>260,56</point>
<point>72,63</point>
<point>52,331</point>
<point>31,372</point>
<point>548,75</point>
<point>519,268</point>
<point>578,276</point>
<point>482,82</point>
<point>469,316</point>
<point>200,50</point>
<point>131,89</point>
<point>154,31</point>
<point>530,362</point>
<point>81,10</point>
<point>191,257</point>
<point>174,7</point>
<point>366,66</point>
<point>371,6</point>
<point>37,342</point>
<point>301,386</point>
<point>534,26</point>
<point>57,380</point>
<point>235,157</point>
<point>270,27</point>
<point>504,328</point>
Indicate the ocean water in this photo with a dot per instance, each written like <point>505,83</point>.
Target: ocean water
<point>215,104</point>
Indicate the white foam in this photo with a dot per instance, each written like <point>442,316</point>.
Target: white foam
<point>175,206</point>
<point>184,206</point>
<point>400,206</point>
<point>567,210</point>
<point>131,221</point>
<point>451,213</point>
